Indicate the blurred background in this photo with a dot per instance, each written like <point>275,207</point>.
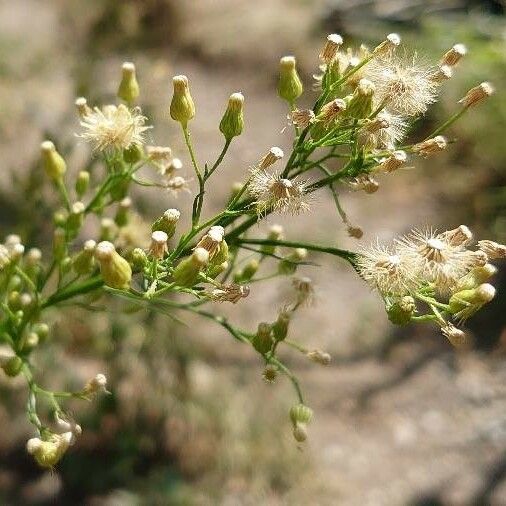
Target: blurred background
<point>400,416</point>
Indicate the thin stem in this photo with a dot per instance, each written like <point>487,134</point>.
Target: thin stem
<point>447,123</point>
<point>73,291</point>
<point>220,158</point>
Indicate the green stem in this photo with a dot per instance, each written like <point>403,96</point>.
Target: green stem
<point>73,291</point>
<point>447,123</point>
<point>220,158</point>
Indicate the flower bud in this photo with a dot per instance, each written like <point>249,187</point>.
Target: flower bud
<point>11,365</point>
<point>167,222</point>
<point>453,55</point>
<point>84,261</point>
<point>320,357</point>
<point>128,87</point>
<point>48,453</point>
<point>138,259</point>
<point>133,154</point>
<point>59,244</point>
<point>465,303</point>
<point>289,264</point>
<point>329,50</point>
<point>301,416</point>
<point>290,86</point>
<point>232,123</point>
<point>115,270</point>
<point>182,108</point>
<point>122,213</point>
<point>400,312</point>
<point>83,109</point>
<point>75,219</point>
<point>186,274</point>
<point>96,384</point>
<point>492,249</point>
<point>247,273</point>
<point>360,104</point>
<point>108,230</point>
<point>211,242</point>
<point>42,330</point>
<point>262,340</point>
<point>54,164</point>
<point>158,247</point>
<point>477,94</point>
<point>456,336</point>
<point>82,183</point>
<point>280,326</point>
<point>275,233</point>
<point>431,146</point>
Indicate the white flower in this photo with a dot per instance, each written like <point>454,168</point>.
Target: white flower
<point>275,193</point>
<point>114,127</point>
<point>404,85</point>
<point>438,258</point>
<point>386,270</point>
<point>389,136</point>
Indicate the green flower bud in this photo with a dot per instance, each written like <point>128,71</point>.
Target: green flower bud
<point>120,190</point>
<point>66,265</point>
<point>247,273</point>
<point>116,271</point>
<point>138,259</point>
<point>60,218</point>
<point>11,365</point>
<point>221,255</point>
<point>465,303</point>
<point>59,244</point>
<point>262,340</point>
<point>275,233</point>
<point>54,164</point>
<point>400,312</point>
<point>167,222</point>
<point>108,229</point>
<point>42,330</point>
<point>121,218</point>
<point>232,123</point>
<point>360,104</point>
<point>290,86</point>
<point>288,265</point>
<point>187,271</point>
<point>216,270</point>
<point>280,326</point>
<point>182,108</point>
<point>476,277</point>
<point>14,300</point>
<point>75,219</point>
<point>31,341</point>
<point>82,183</point>
<point>129,87</point>
<point>133,154</point>
<point>301,416</point>
<point>84,261</point>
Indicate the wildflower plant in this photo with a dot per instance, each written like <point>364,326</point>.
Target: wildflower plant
<point>352,136</point>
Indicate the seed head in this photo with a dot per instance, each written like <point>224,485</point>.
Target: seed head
<point>431,146</point>
<point>492,249</point>
<point>453,55</point>
<point>477,94</point>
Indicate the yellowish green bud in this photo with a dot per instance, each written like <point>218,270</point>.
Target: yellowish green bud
<point>301,416</point>
<point>476,277</point>
<point>116,271</point>
<point>290,86</point>
<point>48,453</point>
<point>289,264</point>
<point>275,233</point>
<point>280,326</point>
<point>182,108</point>
<point>465,303</point>
<point>54,164</point>
<point>400,312</point>
<point>82,183</point>
<point>138,259</point>
<point>122,213</point>
<point>232,123</point>
<point>129,87</point>
<point>262,340</point>
<point>167,222</point>
<point>59,244</point>
<point>84,261</point>
<point>42,330</point>
<point>187,271</point>
<point>108,229</point>
<point>360,104</point>
<point>75,219</point>
<point>247,273</point>
<point>133,154</point>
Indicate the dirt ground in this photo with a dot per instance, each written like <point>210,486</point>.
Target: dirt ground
<point>400,417</point>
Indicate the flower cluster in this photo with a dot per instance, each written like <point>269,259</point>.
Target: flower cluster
<point>436,269</point>
<point>367,101</point>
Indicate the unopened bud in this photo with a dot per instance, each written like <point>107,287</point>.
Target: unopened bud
<point>158,247</point>
<point>320,357</point>
<point>232,123</point>
<point>187,272</point>
<point>115,270</point>
<point>456,336</point>
<point>289,264</point>
<point>477,94</point>
<point>82,183</point>
<point>329,50</point>
<point>280,326</point>
<point>262,340</point>
<point>54,164</point>
<point>275,233</point>
<point>360,104</point>
<point>11,365</point>
<point>83,109</point>
<point>84,261</point>
<point>95,385</point>
<point>182,108</point>
<point>290,86</point>
<point>167,222</point>
<point>129,87</point>
<point>453,55</point>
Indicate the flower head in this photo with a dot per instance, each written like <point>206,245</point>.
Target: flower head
<point>114,127</point>
<point>275,193</point>
<point>404,85</point>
